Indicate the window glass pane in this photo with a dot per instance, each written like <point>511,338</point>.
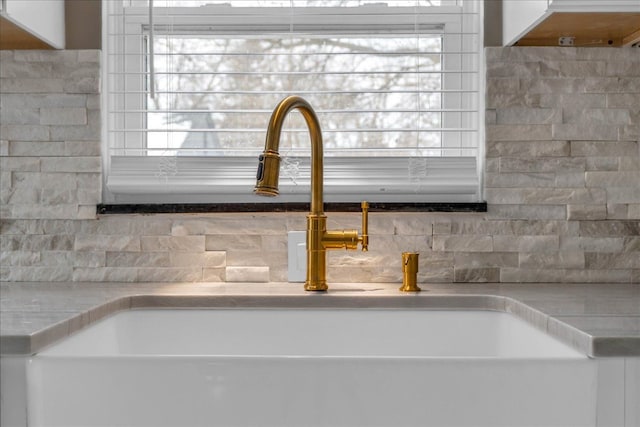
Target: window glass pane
<point>395,85</point>
<point>223,89</point>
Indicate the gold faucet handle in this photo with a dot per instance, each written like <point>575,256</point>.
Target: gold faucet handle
<point>364,238</point>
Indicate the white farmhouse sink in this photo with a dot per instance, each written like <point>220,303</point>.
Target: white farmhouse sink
<point>311,367</point>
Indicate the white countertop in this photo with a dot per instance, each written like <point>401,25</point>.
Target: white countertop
<point>600,320</point>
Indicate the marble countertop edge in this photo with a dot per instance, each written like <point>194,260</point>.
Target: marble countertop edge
<point>108,298</point>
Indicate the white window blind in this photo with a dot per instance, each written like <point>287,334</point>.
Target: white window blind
<point>191,84</point>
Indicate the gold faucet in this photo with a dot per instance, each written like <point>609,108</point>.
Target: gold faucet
<point>319,239</point>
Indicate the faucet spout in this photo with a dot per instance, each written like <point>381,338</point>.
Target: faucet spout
<point>319,240</point>
<point>269,167</point>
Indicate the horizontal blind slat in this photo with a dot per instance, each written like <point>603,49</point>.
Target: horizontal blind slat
<point>293,73</point>
<point>284,54</point>
<point>304,131</point>
<point>286,92</point>
<point>269,111</point>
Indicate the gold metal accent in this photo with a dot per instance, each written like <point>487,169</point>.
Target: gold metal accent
<point>319,240</point>
<point>410,272</point>
<point>364,239</point>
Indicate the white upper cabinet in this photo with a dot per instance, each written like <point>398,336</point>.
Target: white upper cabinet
<point>571,22</point>
<point>42,20</point>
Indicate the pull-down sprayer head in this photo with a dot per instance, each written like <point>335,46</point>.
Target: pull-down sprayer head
<point>268,173</point>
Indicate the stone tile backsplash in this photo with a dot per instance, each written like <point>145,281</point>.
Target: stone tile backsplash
<point>562,184</point>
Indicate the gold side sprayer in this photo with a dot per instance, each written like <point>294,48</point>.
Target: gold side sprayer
<point>319,239</point>
<point>410,272</point>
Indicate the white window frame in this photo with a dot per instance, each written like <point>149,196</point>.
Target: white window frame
<point>217,179</point>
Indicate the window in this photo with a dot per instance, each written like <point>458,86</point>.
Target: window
<point>191,84</point>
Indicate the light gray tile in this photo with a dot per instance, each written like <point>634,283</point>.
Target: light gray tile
<point>71,164</point>
<point>535,132</point>
<point>460,243</point>
<point>137,259</point>
<point>602,164</point>
<point>68,56</point>
<point>613,179</point>
<point>552,260</point>
<point>63,116</point>
<point>31,85</point>
<point>629,195</point>
<point>476,275</point>
<point>553,85</point>
<point>526,243</point>
<point>197,259</point>
<point>515,180</point>
<point>611,116</point>
<point>171,274</point>
<point>25,132</point>
<point>42,148</point>
<point>94,242</point>
<point>233,242</point>
<point>501,69</point>
<point>39,211</point>
<point>629,132</point>
<point>105,274</point>
<point>623,100</point>
<point>20,101</point>
<point>564,276</point>
<point>590,212</point>
<point>604,261</point>
<point>37,243</point>
<point>585,132</point>
<point>604,85</point>
<point>542,164</point>
<point>36,274</point>
<point>506,99</point>
<point>526,150</point>
<point>484,259</point>
<point>214,274</point>
<point>591,244</point>
<point>618,211</point>
<point>19,116</point>
<point>610,228</point>
<point>571,100</point>
<point>89,55</point>
<point>12,69</point>
<point>19,257</point>
<point>247,274</point>
<point>572,68</point>
<point>533,116</point>
<point>623,67</point>
<point>82,85</point>
<point>526,212</point>
<point>172,243</point>
<point>541,196</point>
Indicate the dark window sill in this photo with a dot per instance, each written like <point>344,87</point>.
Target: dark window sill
<point>286,207</point>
